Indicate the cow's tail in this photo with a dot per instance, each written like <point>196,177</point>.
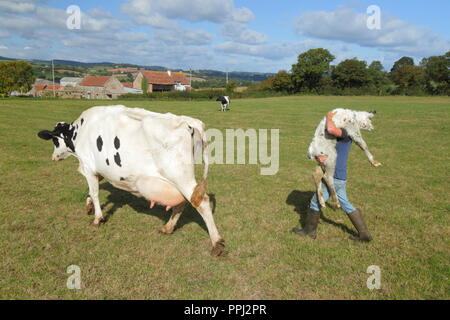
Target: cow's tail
<point>200,143</point>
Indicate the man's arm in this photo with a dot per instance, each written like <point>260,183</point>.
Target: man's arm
<point>331,127</point>
<point>333,130</point>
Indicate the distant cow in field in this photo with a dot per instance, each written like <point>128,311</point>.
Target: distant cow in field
<point>324,143</point>
<point>148,154</point>
<point>224,102</point>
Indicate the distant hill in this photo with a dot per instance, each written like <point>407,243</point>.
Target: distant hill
<point>86,67</point>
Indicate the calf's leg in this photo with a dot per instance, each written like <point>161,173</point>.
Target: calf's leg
<point>317,176</point>
<point>329,180</point>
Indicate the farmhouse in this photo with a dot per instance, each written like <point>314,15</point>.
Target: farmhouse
<point>162,81</point>
<point>101,87</point>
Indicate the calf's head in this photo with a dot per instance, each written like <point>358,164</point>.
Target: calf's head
<point>63,138</point>
<point>364,120</point>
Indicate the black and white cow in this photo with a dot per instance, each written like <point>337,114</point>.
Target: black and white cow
<point>148,154</point>
<point>225,102</point>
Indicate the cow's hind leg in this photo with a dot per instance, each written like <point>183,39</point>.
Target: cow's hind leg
<point>176,213</point>
<point>318,175</point>
<point>200,201</point>
<point>92,181</point>
<point>89,205</point>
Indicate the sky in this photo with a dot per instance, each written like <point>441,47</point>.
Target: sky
<point>227,35</point>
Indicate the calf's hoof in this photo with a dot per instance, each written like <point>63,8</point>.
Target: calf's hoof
<point>218,249</point>
<point>165,230</point>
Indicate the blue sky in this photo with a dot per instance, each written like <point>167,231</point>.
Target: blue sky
<point>240,35</point>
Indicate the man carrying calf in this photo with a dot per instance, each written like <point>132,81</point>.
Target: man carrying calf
<point>340,179</point>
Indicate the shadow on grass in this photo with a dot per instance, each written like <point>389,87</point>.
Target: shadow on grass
<point>301,199</point>
<point>119,198</point>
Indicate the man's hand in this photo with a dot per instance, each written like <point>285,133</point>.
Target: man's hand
<point>376,164</point>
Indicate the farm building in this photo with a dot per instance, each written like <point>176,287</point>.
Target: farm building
<point>44,90</point>
<point>70,81</point>
<point>162,81</point>
<point>101,87</point>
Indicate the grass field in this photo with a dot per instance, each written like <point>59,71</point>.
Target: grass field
<point>44,228</point>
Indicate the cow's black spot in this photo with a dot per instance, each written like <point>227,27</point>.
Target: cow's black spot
<point>56,142</point>
<point>107,161</point>
<point>116,143</point>
<point>122,178</point>
<point>99,143</point>
<point>82,120</point>
<point>74,136</point>
<point>117,159</point>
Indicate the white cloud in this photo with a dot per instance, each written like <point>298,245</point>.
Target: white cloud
<point>267,51</point>
<point>17,6</point>
<point>217,11</point>
<point>183,37</point>
<point>238,32</point>
<point>395,35</point>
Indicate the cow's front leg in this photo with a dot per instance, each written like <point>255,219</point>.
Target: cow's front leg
<point>92,181</point>
<point>176,213</point>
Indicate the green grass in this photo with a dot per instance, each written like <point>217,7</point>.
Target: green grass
<point>44,228</point>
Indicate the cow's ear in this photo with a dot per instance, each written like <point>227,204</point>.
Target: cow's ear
<point>373,112</point>
<point>45,134</point>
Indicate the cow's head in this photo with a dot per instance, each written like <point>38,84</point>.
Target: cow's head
<point>364,120</point>
<point>62,137</point>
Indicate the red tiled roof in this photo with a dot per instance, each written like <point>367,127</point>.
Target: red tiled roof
<point>127,84</point>
<point>158,77</point>
<point>94,81</point>
<point>39,87</point>
<point>180,77</point>
<point>162,77</point>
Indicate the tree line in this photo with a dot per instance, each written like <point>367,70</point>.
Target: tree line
<point>313,73</point>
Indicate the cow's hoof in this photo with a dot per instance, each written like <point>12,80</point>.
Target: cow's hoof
<point>97,223</point>
<point>218,249</point>
<point>165,230</point>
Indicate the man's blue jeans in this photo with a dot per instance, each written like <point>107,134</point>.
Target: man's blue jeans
<point>339,185</point>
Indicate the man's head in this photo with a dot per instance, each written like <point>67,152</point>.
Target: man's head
<point>62,137</point>
<point>364,120</point>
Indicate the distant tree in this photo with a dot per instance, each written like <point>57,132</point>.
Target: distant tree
<point>437,73</point>
<point>282,81</point>
<point>15,76</point>
<point>351,73</point>
<point>408,76</point>
<point>310,68</point>
<point>402,62</point>
<point>437,68</point>
<point>378,76</point>
<point>229,88</point>
<point>144,85</point>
